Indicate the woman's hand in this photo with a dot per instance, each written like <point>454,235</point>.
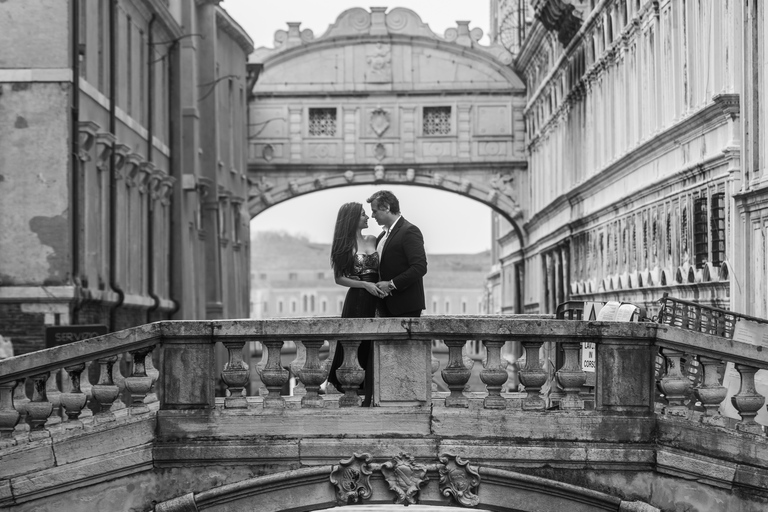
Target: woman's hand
<point>374,290</point>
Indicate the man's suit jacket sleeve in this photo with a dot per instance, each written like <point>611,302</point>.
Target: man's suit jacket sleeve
<point>413,247</point>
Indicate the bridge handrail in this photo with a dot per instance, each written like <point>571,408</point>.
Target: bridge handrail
<point>624,355</point>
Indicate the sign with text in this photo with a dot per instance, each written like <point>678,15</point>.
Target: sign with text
<point>63,334</point>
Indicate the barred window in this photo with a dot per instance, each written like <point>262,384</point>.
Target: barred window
<point>700,239</point>
<point>718,229</point>
<point>322,122</point>
<point>437,120</point>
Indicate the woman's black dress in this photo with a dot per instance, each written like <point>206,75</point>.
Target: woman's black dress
<point>359,304</point>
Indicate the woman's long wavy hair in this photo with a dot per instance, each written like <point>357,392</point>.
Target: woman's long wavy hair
<point>345,238</point>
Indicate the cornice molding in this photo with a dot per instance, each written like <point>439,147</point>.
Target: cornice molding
<point>230,27</point>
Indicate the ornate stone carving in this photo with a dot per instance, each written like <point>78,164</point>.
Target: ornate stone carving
<point>379,59</point>
<point>410,174</point>
<point>405,477</point>
<point>380,151</point>
<point>459,480</point>
<point>268,152</point>
<point>379,172</point>
<point>349,175</point>
<point>379,121</point>
<point>352,479</point>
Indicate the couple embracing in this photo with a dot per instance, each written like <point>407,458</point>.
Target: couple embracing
<point>384,274</point>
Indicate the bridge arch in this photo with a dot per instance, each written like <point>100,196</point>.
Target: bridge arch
<point>401,105</point>
<point>310,489</point>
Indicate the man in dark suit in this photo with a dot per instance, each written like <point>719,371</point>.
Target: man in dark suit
<point>402,260</point>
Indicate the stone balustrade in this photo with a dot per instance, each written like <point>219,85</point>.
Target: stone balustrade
<point>187,379</point>
<point>70,419</point>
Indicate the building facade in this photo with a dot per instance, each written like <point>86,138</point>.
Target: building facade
<point>122,167</point>
<point>645,154</point>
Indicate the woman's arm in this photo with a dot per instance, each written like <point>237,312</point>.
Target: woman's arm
<point>351,282</point>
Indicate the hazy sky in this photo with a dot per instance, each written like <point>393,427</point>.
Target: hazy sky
<point>450,223</point>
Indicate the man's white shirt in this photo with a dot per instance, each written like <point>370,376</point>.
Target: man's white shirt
<point>380,245</point>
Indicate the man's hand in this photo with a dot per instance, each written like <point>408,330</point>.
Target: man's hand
<point>385,286</point>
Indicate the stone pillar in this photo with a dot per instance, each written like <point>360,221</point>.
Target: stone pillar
<point>188,370</point>
<point>402,373</point>
<point>625,375</point>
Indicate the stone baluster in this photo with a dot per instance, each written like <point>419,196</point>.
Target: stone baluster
<point>533,376</point>
<point>312,374</point>
<point>296,365</point>
<point>434,366</point>
<point>674,384</point>
<point>139,383</point>
<point>119,380</point>
<point>20,401</point>
<point>494,375</point>
<point>571,377</point>
<point>39,408</point>
<point>87,389</point>
<point>74,400</point>
<point>260,367</point>
<point>456,374</point>
<point>154,374</point>
<point>748,401</point>
<point>235,375</point>
<point>53,393</point>
<point>9,416</point>
<point>710,392</point>
<point>274,375</point>
<point>105,391</point>
<point>350,374</point>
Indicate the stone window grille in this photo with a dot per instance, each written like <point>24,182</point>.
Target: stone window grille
<point>437,120</point>
<point>700,235</point>
<point>668,230</point>
<point>322,122</point>
<point>718,228</point>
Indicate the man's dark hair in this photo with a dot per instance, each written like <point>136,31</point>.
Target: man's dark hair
<point>385,197</point>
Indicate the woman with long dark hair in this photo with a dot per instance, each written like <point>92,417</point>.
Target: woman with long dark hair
<point>355,264</point>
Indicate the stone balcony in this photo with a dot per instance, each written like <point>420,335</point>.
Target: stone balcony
<point>644,437</point>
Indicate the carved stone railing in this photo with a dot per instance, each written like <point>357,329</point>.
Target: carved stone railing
<point>183,421</point>
<point>188,379</point>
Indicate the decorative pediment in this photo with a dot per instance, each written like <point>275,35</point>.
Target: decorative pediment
<point>379,23</point>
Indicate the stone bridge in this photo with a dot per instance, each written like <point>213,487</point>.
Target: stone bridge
<point>379,98</point>
<point>644,437</point>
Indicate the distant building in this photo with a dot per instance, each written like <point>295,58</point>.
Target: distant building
<point>292,277</point>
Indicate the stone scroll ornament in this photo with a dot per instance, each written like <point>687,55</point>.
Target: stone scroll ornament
<point>405,477</point>
<point>459,480</point>
<point>352,479</point>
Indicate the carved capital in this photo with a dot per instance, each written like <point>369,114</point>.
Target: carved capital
<point>104,144</point>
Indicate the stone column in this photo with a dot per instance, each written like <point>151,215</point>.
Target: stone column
<point>402,373</point>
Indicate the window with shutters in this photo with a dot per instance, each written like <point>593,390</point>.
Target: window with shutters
<point>718,229</point>
<point>700,235</point>
<point>322,122</point>
<point>437,120</point>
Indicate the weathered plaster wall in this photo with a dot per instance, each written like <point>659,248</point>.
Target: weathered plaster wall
<point>48,48</point>
<point>34,186</point>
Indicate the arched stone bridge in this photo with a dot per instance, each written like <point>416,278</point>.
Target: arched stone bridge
<point>639,440</point>
<point>379,98</point>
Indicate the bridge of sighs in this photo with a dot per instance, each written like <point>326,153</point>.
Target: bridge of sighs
<point>380,98</point>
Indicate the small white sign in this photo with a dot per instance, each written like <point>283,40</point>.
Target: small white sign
<point>588,357</point>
